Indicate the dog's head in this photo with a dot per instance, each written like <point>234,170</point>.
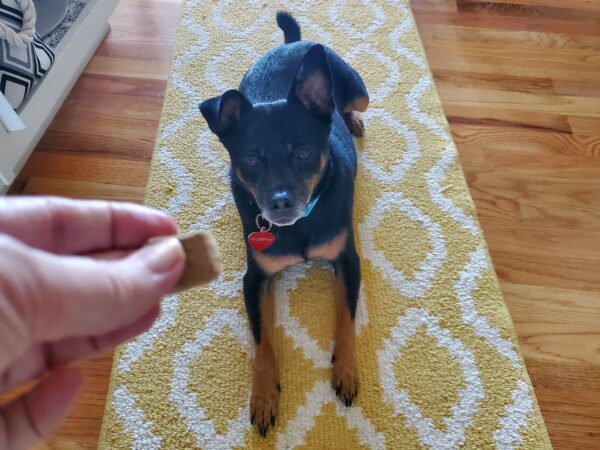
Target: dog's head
<point>279,151</point>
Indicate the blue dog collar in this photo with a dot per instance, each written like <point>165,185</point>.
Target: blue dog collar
<point>311,206</point>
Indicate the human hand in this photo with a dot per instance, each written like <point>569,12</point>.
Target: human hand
<point>58,305</point>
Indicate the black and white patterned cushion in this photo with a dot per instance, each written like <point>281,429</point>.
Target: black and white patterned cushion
<point>20,68</point>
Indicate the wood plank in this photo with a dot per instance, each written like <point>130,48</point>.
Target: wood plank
<point>569,396</point>
<point>494,82</point>
<point>83,189</point>
<point>521,101</point>
<point>142,31</point>
<point>538,23</point>
<point>546,166</point>
<point>138,68</point>
<point>540,202</point>
<point>567,383</point>
<point>76,166</point>
<point>585,5</point>
<point>504,138</point>
<point>482,114</point>
<point>127,137</point>
<point>584,125</point>
<point>560,11</point>
<point>519,62</point>
<point>531,305</point>
<point>111,84</point>
<point>556,272</point>
<point>576,88</point>
<point>499,39</point>
<point>553,244</point>
<point>433,5</point>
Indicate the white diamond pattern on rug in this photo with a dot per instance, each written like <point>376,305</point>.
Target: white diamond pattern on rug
<point>253,7</point>
<point>423,278</point>
<point>321,394</point>
<point>407,146</point>
<point>186,401</point>
<point>470,397</point>
<point>291,324</point>
<point>372,27</point>
<point>217,66</point>
<point>379,93</point>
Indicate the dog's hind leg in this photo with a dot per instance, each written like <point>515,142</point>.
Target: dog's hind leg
<point>350,93</point>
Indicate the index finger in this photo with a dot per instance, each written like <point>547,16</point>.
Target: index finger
<point>65,226</point>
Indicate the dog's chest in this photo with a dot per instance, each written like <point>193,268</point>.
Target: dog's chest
<point>329,251</point>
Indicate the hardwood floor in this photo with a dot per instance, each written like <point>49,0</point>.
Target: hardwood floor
<point>520,84</point>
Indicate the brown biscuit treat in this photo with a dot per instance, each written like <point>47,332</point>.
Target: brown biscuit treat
<point>202,259</point>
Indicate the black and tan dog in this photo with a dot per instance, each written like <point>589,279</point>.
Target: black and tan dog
<point>287,130</point>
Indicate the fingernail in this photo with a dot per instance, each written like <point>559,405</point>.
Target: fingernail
<point>162,255</point>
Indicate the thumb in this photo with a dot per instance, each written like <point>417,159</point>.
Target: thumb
<point>62,296</point>
<point>32,417</point>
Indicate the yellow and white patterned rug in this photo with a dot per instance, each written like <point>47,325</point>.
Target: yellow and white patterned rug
<point>439,363</point>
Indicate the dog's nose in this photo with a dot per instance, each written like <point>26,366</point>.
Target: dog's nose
<point>281,201</point>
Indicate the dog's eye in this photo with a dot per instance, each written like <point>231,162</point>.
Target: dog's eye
<point>302,154</point>
<point>251,161</point>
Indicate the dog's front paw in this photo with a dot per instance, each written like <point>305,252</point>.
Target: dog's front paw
<point>354,123</point>
<point>263,405</point>
<point>345,379</point>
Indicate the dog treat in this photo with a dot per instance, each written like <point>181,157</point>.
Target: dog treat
<point>202,259</point>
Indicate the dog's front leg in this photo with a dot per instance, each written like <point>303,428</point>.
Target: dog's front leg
<point>347,285</point>
<point>258,296</point>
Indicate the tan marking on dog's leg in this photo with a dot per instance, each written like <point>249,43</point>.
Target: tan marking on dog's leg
<point>358,104</point>
<point>353,120</point>
<point>265,383</point>
<point>344,375</point>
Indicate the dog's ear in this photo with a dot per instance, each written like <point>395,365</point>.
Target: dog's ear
<point>313,85</point>
<point>223,112</point>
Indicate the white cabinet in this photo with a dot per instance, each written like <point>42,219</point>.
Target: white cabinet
<point>72,55</point>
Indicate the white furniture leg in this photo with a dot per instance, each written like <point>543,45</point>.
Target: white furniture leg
<point>9,119</point>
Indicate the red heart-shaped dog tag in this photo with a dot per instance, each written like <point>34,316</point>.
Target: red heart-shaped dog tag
<point>261,240</point>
